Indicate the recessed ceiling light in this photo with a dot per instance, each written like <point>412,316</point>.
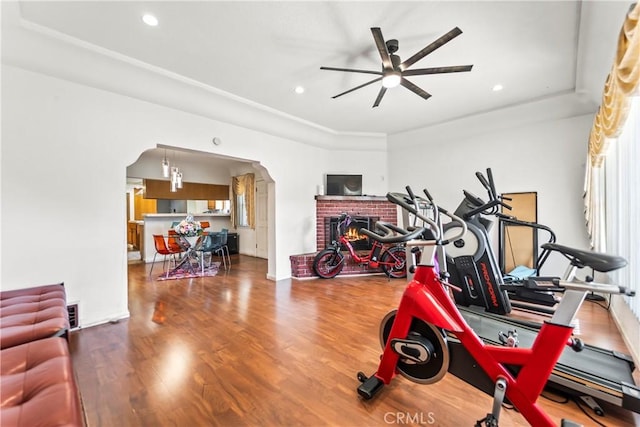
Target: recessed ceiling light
<point>299,89</point>
<point>150,20</point>
<point>497,88</point>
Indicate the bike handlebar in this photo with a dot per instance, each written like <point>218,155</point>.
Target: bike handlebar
<point>596,287</point>
<point>398,199</point>
<point>434,226</point>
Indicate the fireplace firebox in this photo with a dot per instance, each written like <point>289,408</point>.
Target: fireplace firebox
<point>359,241</point>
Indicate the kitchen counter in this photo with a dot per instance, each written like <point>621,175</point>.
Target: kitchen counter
<point>183,215</point>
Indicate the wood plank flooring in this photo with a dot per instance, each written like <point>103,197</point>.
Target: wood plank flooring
<point>240,350</point>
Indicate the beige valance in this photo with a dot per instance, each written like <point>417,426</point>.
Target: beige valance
<point>621,84</point>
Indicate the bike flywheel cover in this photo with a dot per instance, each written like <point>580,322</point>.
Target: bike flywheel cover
<point>438,364</point>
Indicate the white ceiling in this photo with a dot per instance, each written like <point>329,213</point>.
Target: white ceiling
<point>261,50</point>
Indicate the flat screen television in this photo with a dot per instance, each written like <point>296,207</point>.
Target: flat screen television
<point>344,185</point>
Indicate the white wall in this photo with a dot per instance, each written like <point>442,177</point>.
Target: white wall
<point>547,157</point>
<point>202,171</point>
<point>65,150</point>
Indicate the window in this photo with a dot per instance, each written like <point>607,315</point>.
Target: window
<point>243,212</point>
<point>622,203</point>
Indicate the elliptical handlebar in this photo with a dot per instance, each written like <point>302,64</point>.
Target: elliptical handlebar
<point>486,208</point>
<point>484,182</point>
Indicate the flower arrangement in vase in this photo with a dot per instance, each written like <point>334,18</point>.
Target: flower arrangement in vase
<point>188,227</point>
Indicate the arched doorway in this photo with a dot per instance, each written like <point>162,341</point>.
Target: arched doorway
<point>205,168</point>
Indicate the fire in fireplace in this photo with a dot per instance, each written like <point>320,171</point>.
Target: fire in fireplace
<point>352,233</point>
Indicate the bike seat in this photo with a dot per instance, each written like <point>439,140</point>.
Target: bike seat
<point>596,260</point>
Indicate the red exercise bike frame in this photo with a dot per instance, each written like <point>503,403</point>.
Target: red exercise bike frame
<point>425,298</point>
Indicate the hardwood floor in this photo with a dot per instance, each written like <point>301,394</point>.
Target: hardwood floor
<point>240,350</point>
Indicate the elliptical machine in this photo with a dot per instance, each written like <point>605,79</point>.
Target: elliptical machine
<point>470,259</point>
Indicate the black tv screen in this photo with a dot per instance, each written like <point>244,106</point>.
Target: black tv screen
<point>344,185</point>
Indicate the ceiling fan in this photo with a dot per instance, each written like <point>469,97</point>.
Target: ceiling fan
<point>394,71</point>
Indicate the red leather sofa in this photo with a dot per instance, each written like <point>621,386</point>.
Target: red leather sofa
<point>37,382</point>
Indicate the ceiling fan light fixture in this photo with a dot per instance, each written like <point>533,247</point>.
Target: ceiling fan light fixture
<point>150,20</point>
<point>391,79</point>
<point>394,70</point>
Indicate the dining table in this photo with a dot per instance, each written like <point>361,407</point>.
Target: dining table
<point>190,245</point>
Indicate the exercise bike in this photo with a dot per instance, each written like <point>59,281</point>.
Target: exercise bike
<point>419,337</point>
<point>329,262</point>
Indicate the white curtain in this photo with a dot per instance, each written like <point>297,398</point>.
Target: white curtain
<point>622,203</point>
<point>594,195</point>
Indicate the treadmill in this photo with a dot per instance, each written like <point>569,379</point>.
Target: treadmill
<point>593,373</point>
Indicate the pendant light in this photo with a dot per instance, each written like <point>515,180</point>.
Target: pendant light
<point>165,165</point>
<point>178,174</point>
<point>174,179</point>
<point>179,179</point>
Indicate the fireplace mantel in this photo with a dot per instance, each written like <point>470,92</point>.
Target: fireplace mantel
<point>353,198</point>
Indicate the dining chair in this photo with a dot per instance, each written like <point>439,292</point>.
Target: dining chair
<point>176,243</point>
<point>208,244</point>
<point>216,242</point>
<point>223,249</point>
<point>162,249</point>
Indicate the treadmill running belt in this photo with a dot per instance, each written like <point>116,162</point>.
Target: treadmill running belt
<point>594,371</point>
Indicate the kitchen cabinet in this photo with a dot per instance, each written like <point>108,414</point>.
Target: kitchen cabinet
<point>159,189</point>
<point>134,234</point>
<point>142,206</point>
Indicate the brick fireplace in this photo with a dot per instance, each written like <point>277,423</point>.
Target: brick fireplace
<point>328,207</point>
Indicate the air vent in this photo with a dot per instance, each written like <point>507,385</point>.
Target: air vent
<point>72,309</point>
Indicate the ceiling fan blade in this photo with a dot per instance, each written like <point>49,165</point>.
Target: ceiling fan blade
<point>357,87</point>
<point>415,89</point>
<point>437,70</point>
<point>380,95</point>
<point>382,48</point>
<point>351,70</point>
<point>430,48</point>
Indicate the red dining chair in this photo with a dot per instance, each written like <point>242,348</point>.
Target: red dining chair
<point>176,243</point>
<point>162,249</point>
